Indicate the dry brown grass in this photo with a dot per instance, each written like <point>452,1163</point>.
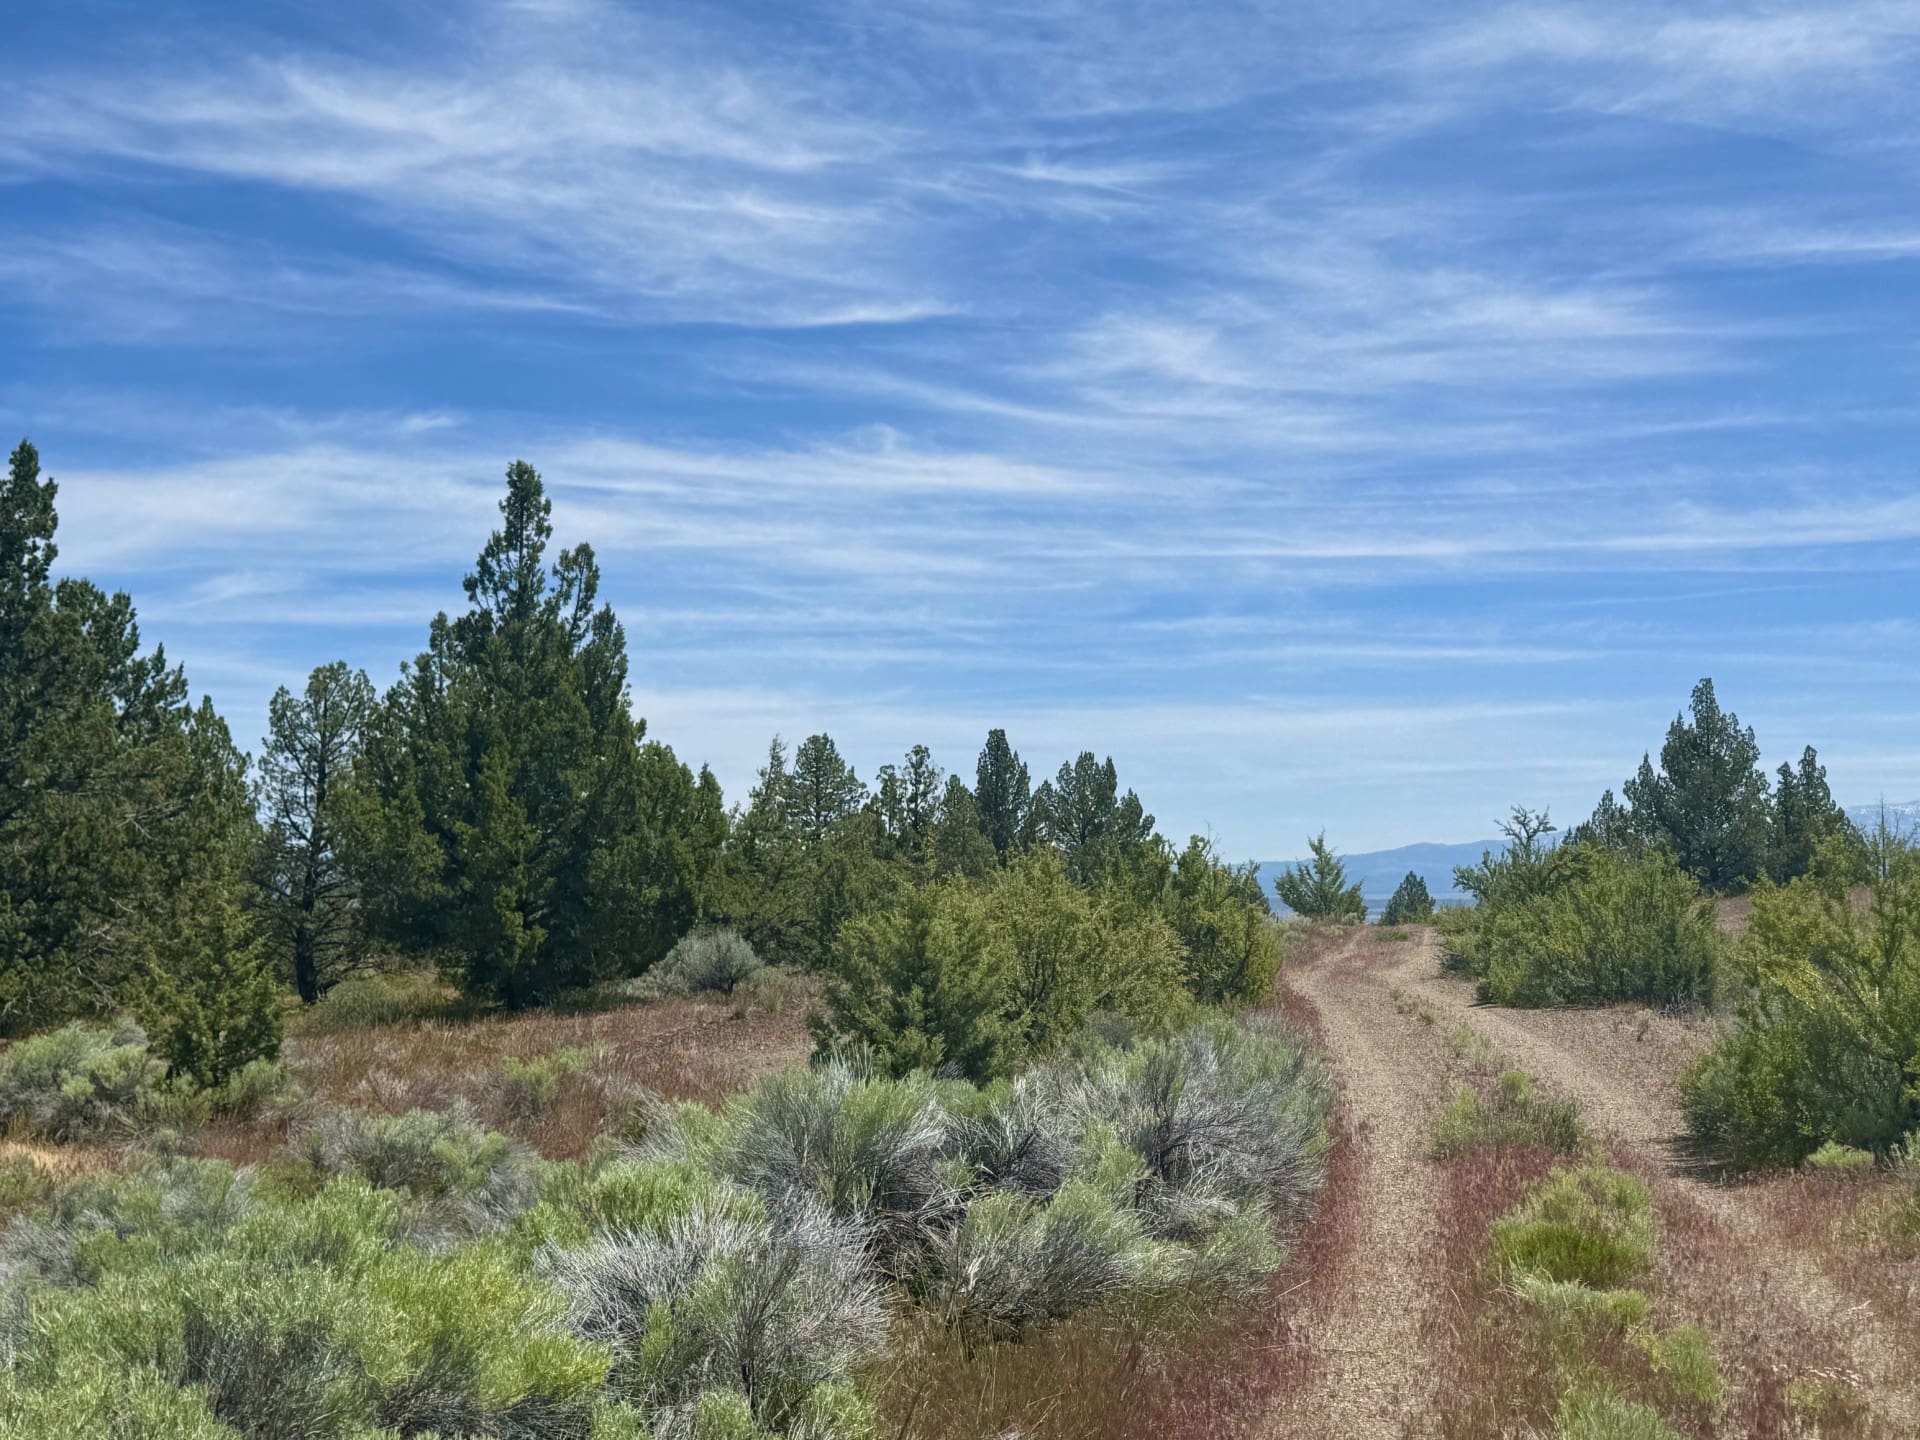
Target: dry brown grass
<point>700,1048</point>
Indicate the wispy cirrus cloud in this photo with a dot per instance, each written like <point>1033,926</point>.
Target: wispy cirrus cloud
<point>1345,415</point>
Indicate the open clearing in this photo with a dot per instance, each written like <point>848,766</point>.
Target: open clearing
<point>1755,1262</point>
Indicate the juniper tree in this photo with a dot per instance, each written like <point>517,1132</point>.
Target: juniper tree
<point>1318,889</point>
<point>1083,814</point>
<point>1805,818</point>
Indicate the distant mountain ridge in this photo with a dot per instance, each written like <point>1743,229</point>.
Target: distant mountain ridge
<point>1381,871</point>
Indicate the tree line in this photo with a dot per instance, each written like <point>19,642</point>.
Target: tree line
<point>500,813</point>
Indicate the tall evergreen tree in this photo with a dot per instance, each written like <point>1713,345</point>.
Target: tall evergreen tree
<point>306,765</point>
<point>1410,904</point>
<point>1002,794</point>
<point>501,818</point>
<point>959,843</point>
<point>1319,890</point>
<point>822,789</point>
<point>1082,813</point>
<point>1805,816</point>
<point>807,853</point>
<point>124,817</point>
<point>908,798</point>
<point>1708,801</point>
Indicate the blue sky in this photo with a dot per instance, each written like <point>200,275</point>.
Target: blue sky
<point>1354,415</point>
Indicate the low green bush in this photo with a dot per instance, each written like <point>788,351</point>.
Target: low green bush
<point>1511,1115</point>
<point>1840,1160</point>
<point>1601,926</point>
<point>1822,1048</point>
<point>776,1310</point>
<point>1591,1225</point>
<point>365,1001</point>
<point>529,1088</point>
<point>302,1317</point>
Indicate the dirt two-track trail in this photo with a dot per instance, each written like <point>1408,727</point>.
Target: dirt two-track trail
<point>1384,1009</point>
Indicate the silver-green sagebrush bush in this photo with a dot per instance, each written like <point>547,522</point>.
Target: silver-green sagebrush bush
<point>776,1307</point>
<point>81,1079</point>
<point>417,1275</point>
<point>715,961</point>
<point>464,1179</point>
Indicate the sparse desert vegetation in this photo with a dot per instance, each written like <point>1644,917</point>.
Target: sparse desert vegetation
<point>482,1074</point>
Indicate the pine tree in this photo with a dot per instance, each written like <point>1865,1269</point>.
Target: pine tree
<point>908,800</point>
<point>501,807</point>
<point>1319,890</point>
<point>1001,794</point>
<point>1708,801</point>
<point>1082,813</point>
<point>959,843</point>
<point>306,766</point>
<point>1410,904</point>
<point>1804,818</point>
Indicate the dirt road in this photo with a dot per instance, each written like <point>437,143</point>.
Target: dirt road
<point>1385,1009</point>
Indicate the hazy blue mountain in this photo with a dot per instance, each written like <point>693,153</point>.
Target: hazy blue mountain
<point>1903,818</point>
<point>1381,871</point>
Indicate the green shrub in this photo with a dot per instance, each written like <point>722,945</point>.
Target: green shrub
<point>925,986</point>
<point>1840,1160</point>
<point>310,1318</point>
<point>364,1001</point>
<point>716,961</point>
<point>82,1079</point>
<point>1014,1262</point>
<point>1221,1117</point>
<point>102,1223</point>
<point>1599,926</point>
<point>626,1195</point>
<point>1512,1115</point>
<point>1822,1049</point>
<point>1592,1225</point>
<point>866,1148</point>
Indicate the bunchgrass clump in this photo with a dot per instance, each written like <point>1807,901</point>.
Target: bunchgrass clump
<point>1600,1413</point>
<point>1839,1161</point>
<point>527,1089</point>
<point>1511,1114</point>
<point>1592,1225</point>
